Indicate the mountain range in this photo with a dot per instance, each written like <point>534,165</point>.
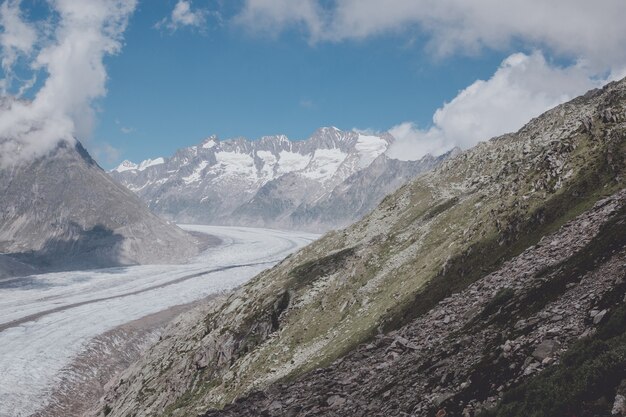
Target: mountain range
<point>327,181</point>
<point>493,285</point>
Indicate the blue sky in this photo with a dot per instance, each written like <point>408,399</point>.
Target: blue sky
<point>169,90</point>
<point>137,79</point>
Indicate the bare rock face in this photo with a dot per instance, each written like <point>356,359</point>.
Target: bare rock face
<point>62,211</point>
<point>545,349</point>
<point>619,404</point>
<point>327,181</point>
<point>432,304</point>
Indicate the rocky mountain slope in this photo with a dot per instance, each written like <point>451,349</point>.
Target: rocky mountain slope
<point>63,211</point>
<point>505,328</point>
<point>452,294</point>
<point>10,267</point>
<point>329,180</point>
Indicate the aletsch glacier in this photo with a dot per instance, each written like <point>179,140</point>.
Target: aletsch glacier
<point>332,178</point>
<point>34,353</point>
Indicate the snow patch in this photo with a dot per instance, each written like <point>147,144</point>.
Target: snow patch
<point>196,175</point>
<point>210,144</point>
<point>269,162</point>
<point>126,166</point>
<point>236,163</point>
<point>150,163</point>
<point>370,148</point>
<point>324,164</point>
<point>292,161</point>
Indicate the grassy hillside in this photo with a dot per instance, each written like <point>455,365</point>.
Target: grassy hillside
<point>433,237</point>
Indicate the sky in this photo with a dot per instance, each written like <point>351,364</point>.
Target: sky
<point>138,79</point>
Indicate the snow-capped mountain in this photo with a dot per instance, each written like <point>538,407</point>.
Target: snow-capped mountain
<point>273,182</point>
<point>130,166</point>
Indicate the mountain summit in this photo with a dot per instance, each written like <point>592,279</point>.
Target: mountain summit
<point>62,211</point>
<point>328,180</point>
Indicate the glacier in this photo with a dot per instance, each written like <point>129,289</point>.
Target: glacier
<point>47,320</point>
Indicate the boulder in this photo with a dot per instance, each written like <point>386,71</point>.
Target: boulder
<point>545,349</point>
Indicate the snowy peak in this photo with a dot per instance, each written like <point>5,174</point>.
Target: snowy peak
<point>271,176</point>
<point>209,142</point>
<point>150,163</point>
<point>126,166</point>
<point>131,166</point>
<point>318,158</point>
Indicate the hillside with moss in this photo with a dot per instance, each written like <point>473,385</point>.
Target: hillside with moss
<point>543,335</point>
<point>437,237</point>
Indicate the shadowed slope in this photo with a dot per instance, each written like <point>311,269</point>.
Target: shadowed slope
<point>63,211</point>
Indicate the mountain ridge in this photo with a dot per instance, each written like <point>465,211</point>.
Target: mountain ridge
<point>271,182</point>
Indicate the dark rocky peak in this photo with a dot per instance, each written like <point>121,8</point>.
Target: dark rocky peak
<point>63,210</point>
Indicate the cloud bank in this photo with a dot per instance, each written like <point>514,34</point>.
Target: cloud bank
<point>591,34</point>
<point>577,28</point>
<point>71,57</point>
<point>523,87</point>
<point>16,40</point>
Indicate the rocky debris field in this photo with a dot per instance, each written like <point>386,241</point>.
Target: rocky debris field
<point>461,356</point>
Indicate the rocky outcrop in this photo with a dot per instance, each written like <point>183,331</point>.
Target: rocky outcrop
<point>62,211</point>
<point>452,284</point>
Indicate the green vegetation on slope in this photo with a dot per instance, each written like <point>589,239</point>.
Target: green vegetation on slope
<point>431,245</point>
<point>583,384</point>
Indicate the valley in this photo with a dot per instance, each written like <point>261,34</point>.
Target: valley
<point>49,319</point>
<point>270,208</point>
<point>532,218</point>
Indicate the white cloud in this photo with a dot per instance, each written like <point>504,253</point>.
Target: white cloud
<point>523,87</point>
<point>72,57</point>
<point>17,39</point>
<point>107,153</point>
<point>573,28</point>
<point>183,15</point>
<point>272,16</point>
<point>306,103</point>
<point>592,34</point>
